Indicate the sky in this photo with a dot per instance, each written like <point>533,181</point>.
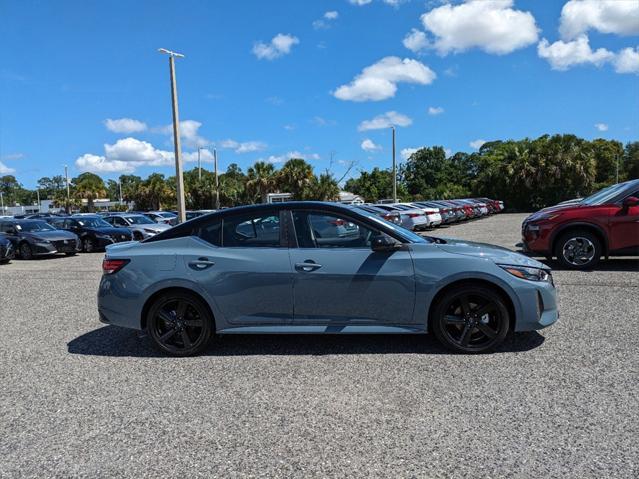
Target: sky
<point>82,82</point>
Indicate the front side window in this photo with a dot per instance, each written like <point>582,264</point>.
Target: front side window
<point>328,230</point>
<point>255,230</point>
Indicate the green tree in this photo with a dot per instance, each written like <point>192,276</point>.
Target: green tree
<point>376,185</point>
<point>631,160</point>
<point>608,155</point>
<point>323,188</point>
<point>233,186</point>
<point>261,179</point>
<point>296,177</point>
<point>89,186</point>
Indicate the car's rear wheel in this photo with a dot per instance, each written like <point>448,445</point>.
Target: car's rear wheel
<point>71,253</point>
<point>87,245</point>
<point>180,324</point>
<point>578,249</point>
<point>470,319</point>
<point>25,251</point>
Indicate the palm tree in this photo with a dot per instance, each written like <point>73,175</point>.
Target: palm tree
<point>295,177</point>
<point>324,188</point>
<point>89,186</point>
<point>261,179</point>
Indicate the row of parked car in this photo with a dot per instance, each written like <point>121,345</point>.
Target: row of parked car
<point>422,215</point>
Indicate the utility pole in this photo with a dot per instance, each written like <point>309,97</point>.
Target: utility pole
<point>2,202</point>
<point>217,181</point>
<point>617,165</point>
<point>120,188</point>
<point>394,169</point>
<point>179,177</point>
<point>199,163</point>
<point>38,193</point>
<point>66,176</point>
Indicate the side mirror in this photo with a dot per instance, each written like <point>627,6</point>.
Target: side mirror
<point>382,243</point>
<point>630,201</point>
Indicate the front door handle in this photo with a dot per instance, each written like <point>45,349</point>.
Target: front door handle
<point>307,266</point>
<point>201,263</point>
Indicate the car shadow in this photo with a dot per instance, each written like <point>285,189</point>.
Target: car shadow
<point>612,264</point>
<point>114,341</point>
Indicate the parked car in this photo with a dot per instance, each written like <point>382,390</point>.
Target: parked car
<point>231,277</point>
<point>141,226</point>
<point>165,217</point>
<point>579,234</point>
<point>433,214</point>
<point>31,238</point>
<point>6,249</point>
<point>412,219</point>
<point>94,233</point>
<point>392,216</point>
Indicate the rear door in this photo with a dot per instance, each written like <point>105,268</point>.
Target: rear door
<point>339,280</point>
<point>242,261</point>
<point>624,227</point>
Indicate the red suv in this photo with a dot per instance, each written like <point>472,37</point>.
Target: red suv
<point>579,233</point>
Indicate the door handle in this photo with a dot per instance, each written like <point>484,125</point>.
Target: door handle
<point>201,263</point>
<point>307,266</point>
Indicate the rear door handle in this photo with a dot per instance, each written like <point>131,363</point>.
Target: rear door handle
<point>201,263</point>
<point>307,266</point>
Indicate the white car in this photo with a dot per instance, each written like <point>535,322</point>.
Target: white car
<point>412,219</point>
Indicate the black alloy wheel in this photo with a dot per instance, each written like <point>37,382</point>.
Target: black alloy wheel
<point>180,324</point>
<point>87,245</point>
<point>25,251</point>
<point>471,319</point>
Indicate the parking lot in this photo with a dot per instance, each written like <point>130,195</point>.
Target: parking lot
<point>78,398</point>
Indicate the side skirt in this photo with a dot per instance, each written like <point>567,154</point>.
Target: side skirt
<point>326,329</point>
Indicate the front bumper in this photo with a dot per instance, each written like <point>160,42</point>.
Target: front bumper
<point>536,237</point>
<point>538,306</point>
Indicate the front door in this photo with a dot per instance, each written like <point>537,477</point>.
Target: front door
<point>624,227</point>
<point>339,280</point>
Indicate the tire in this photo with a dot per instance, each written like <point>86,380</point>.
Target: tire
<point>73,253</point>
<point>578,249</point>
<point>25,251</point>
<point>470,319</point>
<point>137,236</point>
<point>87,245</point>
<point>180,324</point>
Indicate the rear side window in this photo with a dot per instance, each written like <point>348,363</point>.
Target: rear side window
<point>212,233</point>
<point>327,230</point>
<point>261,230</point>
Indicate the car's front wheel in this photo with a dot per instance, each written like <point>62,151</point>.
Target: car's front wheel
<point>25,251</point>
<point>87,245</point>
<point>470,319</point>
<point>578,250</point>
<point>180,324</point>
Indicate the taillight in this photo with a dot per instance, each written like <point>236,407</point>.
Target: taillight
<point>110,266</point>
<point>414,215</point>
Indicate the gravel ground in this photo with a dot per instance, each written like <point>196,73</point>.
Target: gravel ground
<point>79,399</point>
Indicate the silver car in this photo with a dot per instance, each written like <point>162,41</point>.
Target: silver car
<point>141,226</point>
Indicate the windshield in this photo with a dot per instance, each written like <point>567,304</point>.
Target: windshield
<point>166,215</point>
<point>404,233</point>
<point>94,223</point>
<point>603,196</point>
<point>139,220</point>
<point>34,226</point>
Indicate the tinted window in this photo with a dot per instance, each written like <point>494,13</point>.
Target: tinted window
<point>262,230</point>
<point>327,230</point>
<point>212,233</point>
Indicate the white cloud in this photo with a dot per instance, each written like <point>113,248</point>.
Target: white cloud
<point>435,110</point>
<point>99,164</point>
<point>291,154</point>
<point>627,61</point>
<point>388,119</point>
<point>379,81</point>
<point>331,15</point>
<point>477,144</point>
<point>243,147</point>
<point>601,126</point>
<point>189,133</point>
<point>490,25</point>
<point>5,170</point>
<point>320,121</point>
<point>13,156</point>
<point>289,127</point>
<point>415,40</point>
<point>279,46</point>
<point>326,21</point>
<point>369,145</point>
<point>407,152</point>
<point>620,17</point>
<point>564,55</point>
<point>359,3</point>
<point>124,125</point>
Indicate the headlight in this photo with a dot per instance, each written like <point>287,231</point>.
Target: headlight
<point>43,243</point>
<point>150,231</point>
<point>101,236</point>
<point>529,273</point>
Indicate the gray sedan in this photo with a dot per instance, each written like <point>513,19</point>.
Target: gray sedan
<point>141,226</point>
<point>265,269</point>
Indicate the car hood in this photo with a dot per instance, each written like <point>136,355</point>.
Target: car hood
<point>492,252</point>
<point>56,235</point>
<point>157,227</point>
<point>553,209</point>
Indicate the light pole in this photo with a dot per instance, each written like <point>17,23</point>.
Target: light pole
<point>2,202</point>
<point>66,176</point>
<point>38,193</point>
<point>179,178</point>
<point>394,169</point>
<point>120,188</point>
<point>217,181</point>
<point>199,163</point>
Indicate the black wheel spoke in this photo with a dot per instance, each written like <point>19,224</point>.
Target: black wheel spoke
<point>451,319</point>
<point>464,304</point>
<point>168,335</point>
<point>193,323</point>
<point>181,309</point>
<point>165,316</point>
<point>487,308</point>
<point>185,339</point>
<point>465,337</point>
<point>487,330</point>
